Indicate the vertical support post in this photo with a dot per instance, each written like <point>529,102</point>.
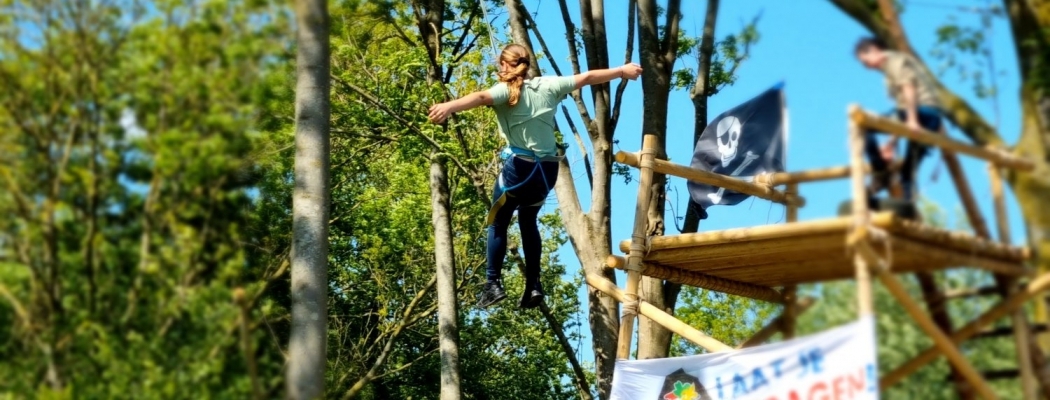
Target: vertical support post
<point>1001,222</point>
<point>860,213</point>
<point>1022,340</point>
<point>962,186</point>
<point>787,324</point>
<point>638,246</point>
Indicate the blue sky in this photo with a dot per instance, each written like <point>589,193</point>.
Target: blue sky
<point>808,45</point>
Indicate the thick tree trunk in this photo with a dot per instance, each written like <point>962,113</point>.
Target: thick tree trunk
<point>658,55</point>
<point>444,255</point>
<point>306,348</point>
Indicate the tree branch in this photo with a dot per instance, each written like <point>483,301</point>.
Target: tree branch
<point>474,177</point>
<point>628,54</point>
<point>956,109</point>
<point>372,372</point>
<point>669,47</point>
<point>559,332</point>
<point>583,149</point>
<point>895,31</point>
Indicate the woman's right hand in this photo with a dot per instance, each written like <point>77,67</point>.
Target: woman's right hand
<point>631,71</point>
<point>439,112</point>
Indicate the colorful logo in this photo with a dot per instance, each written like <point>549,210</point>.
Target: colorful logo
<point>681,386</point>
<point>682,391</point>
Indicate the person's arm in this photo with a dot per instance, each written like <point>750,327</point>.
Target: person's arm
<point>910,97</point>
<point>599,76</point>
<point>440,112</point>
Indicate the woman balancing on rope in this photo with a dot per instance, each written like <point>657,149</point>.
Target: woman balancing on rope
<point>525,112</point>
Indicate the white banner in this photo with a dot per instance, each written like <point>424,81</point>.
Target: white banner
<point>838,364</point>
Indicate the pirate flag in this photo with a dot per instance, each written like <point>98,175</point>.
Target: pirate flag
<point>747,140</point>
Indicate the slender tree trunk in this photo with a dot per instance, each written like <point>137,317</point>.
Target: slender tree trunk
<point>310,201</point>
<point>589,233</point>
<point>444,255</point>
<point>430,19</point>
<point>658,57</point>
<point>699,95</point>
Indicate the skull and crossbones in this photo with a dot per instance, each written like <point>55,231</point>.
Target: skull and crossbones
<point>728,130</point>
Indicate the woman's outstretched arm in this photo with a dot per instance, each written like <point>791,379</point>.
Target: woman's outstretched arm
<point>598,76</point>
<point>440,112</point>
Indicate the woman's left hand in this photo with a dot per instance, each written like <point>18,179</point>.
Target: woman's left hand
<point>439,112</point>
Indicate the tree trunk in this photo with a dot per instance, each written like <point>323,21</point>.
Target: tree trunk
<point>306,347</point>
<point>699,95</point>
<point>590,232</point>
<point>658,57</point>
<point>444,255</point>
<point>430,20</point>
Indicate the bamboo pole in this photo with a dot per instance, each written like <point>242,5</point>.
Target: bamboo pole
<point>778,231</point>
<point>812,175</point>
<point>734,251</point>
<point>940,339</point>
<point>776,325</point>
<point>638,246</point>
<point>701,280</point>
<point>1007,306</point>
<point>962,186</point>
<point>1002,222</point>
<point>957,258</point>
<point>956,240</point>
<point>865,304</point>
<point>1022,340</point>
<point>787,324</point>
<point>889,126</point>
<point>659,316</point>
<point>711,178</point>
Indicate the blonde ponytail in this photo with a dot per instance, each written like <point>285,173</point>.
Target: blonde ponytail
<point>517,57</point>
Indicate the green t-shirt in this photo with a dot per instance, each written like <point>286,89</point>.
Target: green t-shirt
<point>529,124</point>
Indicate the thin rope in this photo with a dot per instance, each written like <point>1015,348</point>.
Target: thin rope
<point>880,235</point>
<point>630,304</point>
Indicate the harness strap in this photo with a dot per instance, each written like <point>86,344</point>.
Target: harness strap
<point>511,151</point>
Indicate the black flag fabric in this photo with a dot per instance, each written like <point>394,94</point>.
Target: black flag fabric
<point>747,140</point>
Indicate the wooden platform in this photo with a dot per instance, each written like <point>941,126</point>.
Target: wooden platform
<point>804,252</point>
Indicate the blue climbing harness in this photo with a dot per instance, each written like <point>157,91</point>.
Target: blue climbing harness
<point>511,151</point>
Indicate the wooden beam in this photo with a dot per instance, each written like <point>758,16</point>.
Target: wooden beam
<point>964,293</point>
<point>940,339</point>
<point>1015,301</point>
<point>787,322</point>
<point>776,325</point>
<point>962,186</point>
<point>1002,222</point>
<point>957,240</point>
<point>813,175</point>
<point>711,178</point>
<point>659,316</point>
<point>892,127</point>
<point>1007,331</point>
<point>778,231</point>
<point>860,219</point>
<point>701,280</point>
<point>637,249</point>
<point>960,258</point>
